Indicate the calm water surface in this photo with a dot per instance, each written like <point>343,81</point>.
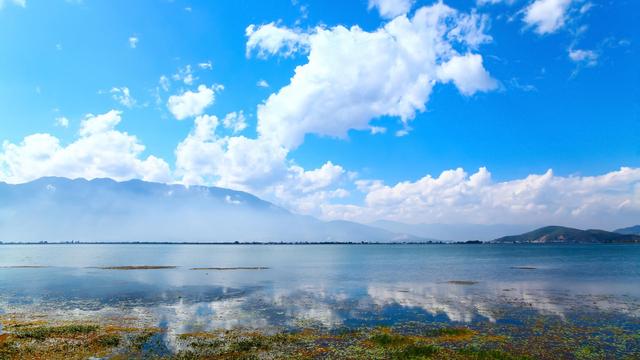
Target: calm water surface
<point>322,285</point>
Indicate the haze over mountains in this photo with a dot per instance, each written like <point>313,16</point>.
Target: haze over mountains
<point>58,209</point>
<point>102,210</point>
<point>454,232</point>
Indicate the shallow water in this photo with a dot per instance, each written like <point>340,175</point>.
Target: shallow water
<point>328,286</point>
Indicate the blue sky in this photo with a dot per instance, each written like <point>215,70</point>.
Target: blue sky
<point>557,88</point>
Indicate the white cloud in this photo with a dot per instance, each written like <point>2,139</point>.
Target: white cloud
<point>97,124</point>
<point>262,83</point>
<point>21,3</point>
<point>185,75</point>
<point>313,180</point>
<point>470,30</point>
<point>236,162</point>
<point>62,122</point>
<point>256,166</point>
<point>197,155</point>
<point>235,121</point>
<point>586,7</point>
<point>467,73</point>
<point>270,39</point>
<point>377,130</point>
<point>133,41</point>
<point>493,2</point>
<point>304,191</point>
<point>353,76</point>
<point>191,103</point>
<point>251,164</point>
<point>99,151</point>
<point>391,8</point>
<point>584,57</point>
<point>123,96</point>
<point>206,65</point>
<point>457,197</point>
<point>547,16</point>
<point>164,83</point>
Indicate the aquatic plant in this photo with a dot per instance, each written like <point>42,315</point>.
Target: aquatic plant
<point>542,338</point>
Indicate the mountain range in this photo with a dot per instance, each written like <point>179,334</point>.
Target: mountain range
<point>56,209</point>
<point>631,230</point>
<point>561,234</point>
<point>102,210</point>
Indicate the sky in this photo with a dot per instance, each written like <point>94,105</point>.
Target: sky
<point>478,111</point>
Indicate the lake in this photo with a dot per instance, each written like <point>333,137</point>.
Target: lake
<point>276,287</point>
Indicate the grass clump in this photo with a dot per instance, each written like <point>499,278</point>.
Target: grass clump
<point>45,332</point>
<point>140,339</point>
<point>110,340</point>
<point>489,354</point>
<point>249,344</point>
<point>451,332</point>
<point>416,351</point>
<point>589,353</point>
<point>388,340</point>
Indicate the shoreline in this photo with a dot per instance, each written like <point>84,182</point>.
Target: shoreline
<point>472,242</point>
<point>33,336</point>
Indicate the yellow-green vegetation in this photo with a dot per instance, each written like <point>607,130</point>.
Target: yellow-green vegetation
<point>38,340</point>
<point>41,340</point>
<point>28,339</point>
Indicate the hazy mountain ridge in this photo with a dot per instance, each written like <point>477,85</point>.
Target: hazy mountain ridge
<point>561,234</point>
<point>631,230</point>
<point>453,232</point>
<point>59,209</point>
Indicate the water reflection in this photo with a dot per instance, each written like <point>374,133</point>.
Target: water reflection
<point>193,308</point>
<point>328,287</point>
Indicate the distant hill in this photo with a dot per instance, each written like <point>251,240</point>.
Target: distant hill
<point>560,234</point>
<point>453,232</point>
<point>631,230</point>
<point>102,210</point>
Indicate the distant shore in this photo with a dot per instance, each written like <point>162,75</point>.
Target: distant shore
<point>474,242</point>
<point>302,243</point>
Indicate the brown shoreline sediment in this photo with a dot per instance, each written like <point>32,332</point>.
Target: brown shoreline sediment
<point>134,267</point>
<point>24,267</point>
<point>462,282</point>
